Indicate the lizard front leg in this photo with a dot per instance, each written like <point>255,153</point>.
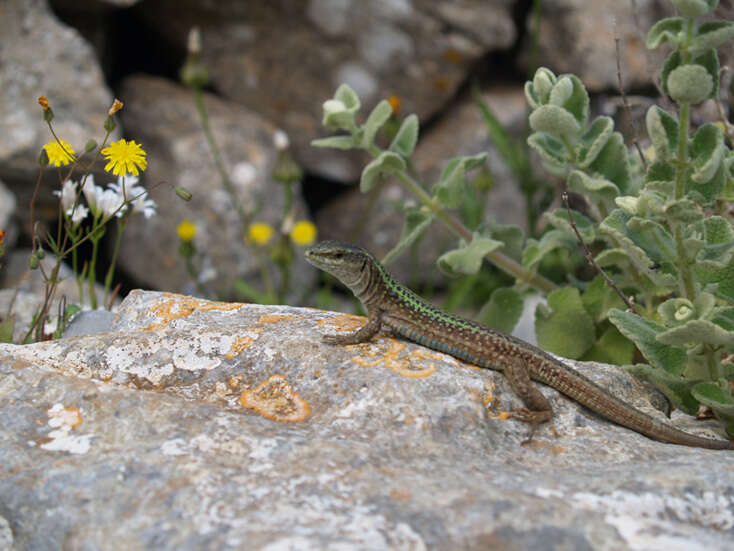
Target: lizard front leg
<point>363,334</point>
<point>539,409</point>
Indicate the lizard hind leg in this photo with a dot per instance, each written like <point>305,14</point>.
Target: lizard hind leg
<point>539,409</point>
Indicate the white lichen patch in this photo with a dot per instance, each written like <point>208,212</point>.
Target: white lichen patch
<point>651,521</point>
<point>63,420</point>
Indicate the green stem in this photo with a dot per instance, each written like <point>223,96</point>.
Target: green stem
<point>687,287</point>
<point>218,161</point>
<point>121,223</point>
<point>503,262</point>
<point>92,275</point>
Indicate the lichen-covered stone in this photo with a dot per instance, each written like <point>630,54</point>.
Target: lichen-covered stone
<point>135,438</point>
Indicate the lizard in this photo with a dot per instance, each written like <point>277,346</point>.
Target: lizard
<point>389,303</point>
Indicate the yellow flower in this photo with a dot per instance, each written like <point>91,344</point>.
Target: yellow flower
<point>303,233</point>
<point>260,233</point>
<point>43,102</point>
<point>124,157</point>
<point>116,106</point>
<point>394,102</point>
<point>186,231</point>
<point>59,155</point>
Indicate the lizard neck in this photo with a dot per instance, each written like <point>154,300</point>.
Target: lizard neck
<point>370,284</point>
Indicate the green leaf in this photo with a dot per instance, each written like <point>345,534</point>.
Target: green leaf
<point>598,298</point>
<point>348,97</point>
<point>416,222</point>
<point>594,139</point>
<point>684,211</point>
<point>718,236</point>
<point>719,399</point>
<point>611,348</point>
<point>644,334</point>
<point>612,162</point>
<point>564,327</point>
<point>407,136</point>
<point>698,332</point>
<point>386,162</point>
<point>663,131</point>
<point>450,188</point>
<point>676,311</point>
<point>512,236</point>
<point>710,34</point>
<point>710,61</point>
<point>503,309</point>
<point>707,151</point>
<point>717,280</point>
<point>691,9</point>
<point>555,121</point>
<point>551,240</point>
<point>724,318</point>
<point>690,83</point>
<point>596,189</point>
<point>335,142</point>
<point>379,116</point>
<point>577,102</point>
<point>559,220</point>
<point>641,249</point>
<point>7,326</point>
<point>467,259</point>
<point>675,388</point>
<point>538,90</point>
<point>665,30</point>
<point>669,65</point>
<point>551,150</point>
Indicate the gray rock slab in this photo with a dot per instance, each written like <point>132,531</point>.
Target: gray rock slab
<point>137,438</point>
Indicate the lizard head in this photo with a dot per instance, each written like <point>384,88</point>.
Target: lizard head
<point>344,261</point>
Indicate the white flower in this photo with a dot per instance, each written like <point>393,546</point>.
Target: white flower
<point>77,214</point>
<point>110,202</point>
<point>280,140</point>
<point>67,194</point>
<point>128,190</point>
<point>92,193</point>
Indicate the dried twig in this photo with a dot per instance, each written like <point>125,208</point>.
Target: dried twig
<point>590,259</point>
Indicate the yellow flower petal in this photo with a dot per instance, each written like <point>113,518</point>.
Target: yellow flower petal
<point>303,233</point>
<point>260,233</point>
<point>124,157</point>
<point>59,153</point>
<point>186,231</point>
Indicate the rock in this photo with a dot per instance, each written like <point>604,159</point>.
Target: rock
<point>577,36</point>
<point>139,437</point>
<point>90,322</point>
<point>162,116</point>
<point>284,59</point>
<point>41,56</point>
<point>460,131</point>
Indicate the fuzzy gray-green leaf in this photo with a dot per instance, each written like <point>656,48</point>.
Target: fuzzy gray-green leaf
<point>663,131</point>
<point>551,150</point>
<point>379,116</point>
<point>710,35</point>
<point>564,327</point>
<point>594,139</point>
<point>335,142</point>
<point>416,222</point>
<point>707,151</point>
<point>503,309</point>
<point>407,136</point>
<point>468,259</point>
<point>698,332</point>
<point>385,163</point>
<point>559,220</point>
<point>665,30</point>
<point>644,334</point>
<point>676,388</point>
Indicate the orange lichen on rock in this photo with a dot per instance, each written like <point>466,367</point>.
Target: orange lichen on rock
<point>275,318</point>
<point>392,360</point>
<point>490,403</point>
<point>174,307</point>
<point>241,343</point>
<point>344,322</point>
<point>275,399</point>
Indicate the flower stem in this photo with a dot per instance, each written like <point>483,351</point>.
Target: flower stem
<point>121,223</point>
